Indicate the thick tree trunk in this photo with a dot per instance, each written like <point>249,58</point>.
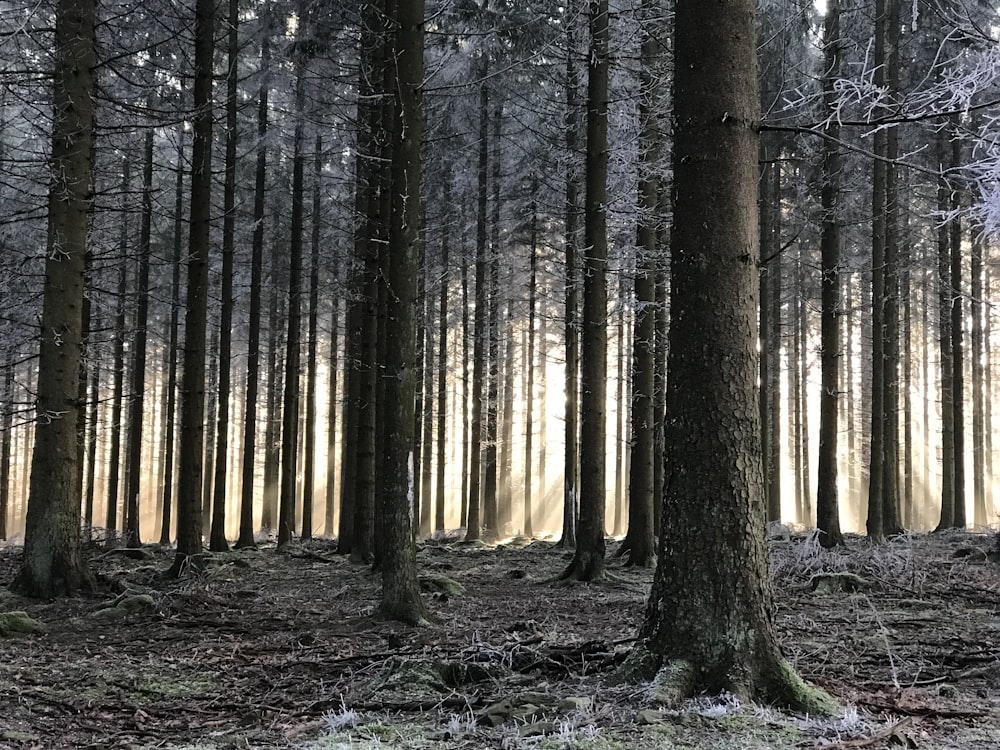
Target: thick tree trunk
<point>189,521</point>
<point>588,559</point>
<point>400,591</point>
<point>710,618</point>
<point>979,512</point>
<point>53,562</point>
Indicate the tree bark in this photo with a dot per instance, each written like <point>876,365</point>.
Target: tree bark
<point>588,558</point>
<point>710,618</point>
<point>217,535</point>
<point>53,562</point>
<point>400,591</point>
<point>827,503</point>
<point>189,521</point>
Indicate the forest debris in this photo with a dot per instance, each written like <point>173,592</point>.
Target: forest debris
<point>18,623</point>
<point>832,583</point>
<point>897,735</point>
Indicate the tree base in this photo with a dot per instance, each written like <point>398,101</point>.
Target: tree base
<point>674,681</point>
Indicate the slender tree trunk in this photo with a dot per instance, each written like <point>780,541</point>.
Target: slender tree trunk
<point>117,388</point>
<point>291,398</point>
<point>309,465</point>
<point>588,559</point>
<point>946,301</point>
<point>465,472</point>
<point>249,460</point>
<point>827,504</point>
<point>890,466</point>
<point>442,363</point>
<point>479,333</point>
<point>505,514</point>
<point>957,330</point>
<point>217,534</point>
<point>571,463</point>
<point>529,366</point>
<point>329,520</point>
<point>138,382</point>
<point>6,426</point>
<point>491,468</point>
<point>172,344</point>
<point>639,544</point>
<point>211,424</point>
<point>426,384</point>
<point>979,514</point>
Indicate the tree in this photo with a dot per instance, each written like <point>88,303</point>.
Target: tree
<point>217,537</point>
<point>190,466</point>
<point>709,622</point>
<point>640,543</point>
<point>588,559</point>
<point>53,562</point>
<point>400,591</point>
<point>827,507</point>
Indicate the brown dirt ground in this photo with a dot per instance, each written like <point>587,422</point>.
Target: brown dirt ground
<point>280,651</point>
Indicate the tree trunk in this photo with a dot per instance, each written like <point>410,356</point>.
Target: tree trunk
<point>528,528</point>
<point>309,465</point>
<point>479,332</point>
<point>189,522</point>
<point>710,619</point>
<point>172,344</point>
<point>946,301</point>
<point>588,559</point>
<point>138,382</point>
<point>6,425</point>
<point>979,514</point>
<point>571,463</point>
<point>217,534</point>
<point>890,463</point>
<point>291,398</point>
<point>491,467</point>
<point>400,591</point>
<point>52,563</point>
<point>827,504</point>
<point>639,544</point>
<point>117,388</point>
<point>442,363</point>
<point>957,329</point>
<point>249,460</point>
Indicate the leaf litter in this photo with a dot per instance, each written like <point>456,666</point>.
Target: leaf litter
<point>266,650</point>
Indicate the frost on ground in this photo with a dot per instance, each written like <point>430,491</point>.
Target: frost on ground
<point>264,650</point>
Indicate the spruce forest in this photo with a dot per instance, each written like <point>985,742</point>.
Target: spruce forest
<point>488,373</point>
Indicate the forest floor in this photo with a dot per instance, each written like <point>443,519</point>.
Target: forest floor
<point>267,650</point>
